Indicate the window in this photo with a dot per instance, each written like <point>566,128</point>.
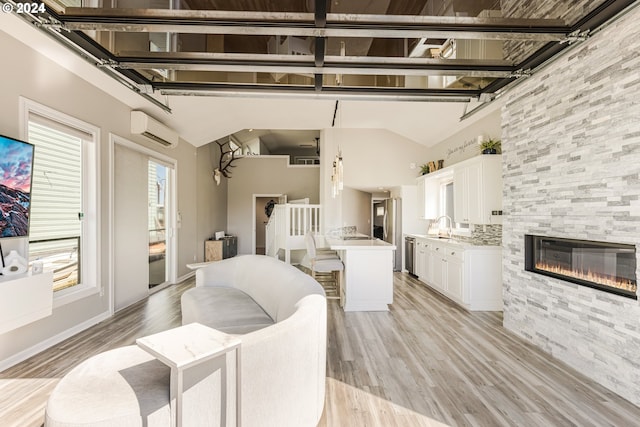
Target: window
<point>447,207</point>
<point>447,200</point>
<point>157,224</point>
<point>63,228</point>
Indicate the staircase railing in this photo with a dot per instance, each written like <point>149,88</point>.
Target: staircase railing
<point>287,226</point>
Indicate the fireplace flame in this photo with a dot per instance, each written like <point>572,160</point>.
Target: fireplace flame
<point>589,276</point>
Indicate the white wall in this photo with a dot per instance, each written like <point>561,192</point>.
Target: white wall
<point>36,77</point>
<point>356,209</point>
<point>464,144</point>
<point>211,199</point>
<point>264,175</point>
<point>372,158</point>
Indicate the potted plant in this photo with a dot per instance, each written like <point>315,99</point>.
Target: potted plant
<point>491,146</point>
<point>424,169</point>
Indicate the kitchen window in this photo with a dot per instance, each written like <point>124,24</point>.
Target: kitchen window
<point>447,208</point>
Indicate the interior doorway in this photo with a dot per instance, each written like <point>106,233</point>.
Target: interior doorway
<point>262,208</point>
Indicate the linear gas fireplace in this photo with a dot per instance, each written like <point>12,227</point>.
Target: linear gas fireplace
<point>610,267</point>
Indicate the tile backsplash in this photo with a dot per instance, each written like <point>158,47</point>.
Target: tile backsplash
<point>483,235</point>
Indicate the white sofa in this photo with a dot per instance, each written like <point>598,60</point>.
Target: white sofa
<point>281,313</point>
<point>283,356</point>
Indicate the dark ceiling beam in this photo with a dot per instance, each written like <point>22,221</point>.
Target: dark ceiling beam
<point>333,65</point>
<point>319,51</point>
<point>320,25</point>
<point>320,15</point>
<point>223,89</point>
<point>304,25</point>
<point>320,20</point>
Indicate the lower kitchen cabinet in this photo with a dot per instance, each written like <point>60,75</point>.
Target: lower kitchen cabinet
<point>455,274</point>
<point>438,277</point>
<point>469,275</point>
<point>419,259</point>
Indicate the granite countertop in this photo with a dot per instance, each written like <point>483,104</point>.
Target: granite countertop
<point>451,242</point>
<point>369,243</point>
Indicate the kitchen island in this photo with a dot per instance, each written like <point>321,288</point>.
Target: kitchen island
<point>367,279</point>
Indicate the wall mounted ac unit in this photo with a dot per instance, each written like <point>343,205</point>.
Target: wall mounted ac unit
<point>143,124</point>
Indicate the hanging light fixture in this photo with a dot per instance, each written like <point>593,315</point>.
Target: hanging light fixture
<point>337,175</point>
<point>337,171</point>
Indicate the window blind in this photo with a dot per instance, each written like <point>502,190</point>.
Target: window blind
<point>57,180</point>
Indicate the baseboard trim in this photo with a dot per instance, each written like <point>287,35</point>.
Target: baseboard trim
<point>43,345</point>
<point>186,276</point>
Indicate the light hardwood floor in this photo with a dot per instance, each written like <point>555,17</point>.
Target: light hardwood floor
<point>424,363</point>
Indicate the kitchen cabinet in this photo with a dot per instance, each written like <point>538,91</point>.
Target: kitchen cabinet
<point>419,259</point>
<point>367,277</point>
<point>477,190</point>
<point>454,279</point>
<point>427,274</point>
<point>469,275</point>
<point>424,260</point>
<point>439,271</point>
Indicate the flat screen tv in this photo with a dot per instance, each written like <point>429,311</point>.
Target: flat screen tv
<point>16,166</point>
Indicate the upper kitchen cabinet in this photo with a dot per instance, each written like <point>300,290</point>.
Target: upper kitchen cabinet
<point>477,190</point>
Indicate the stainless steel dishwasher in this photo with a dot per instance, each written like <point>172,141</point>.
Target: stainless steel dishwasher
<point>409,254</point>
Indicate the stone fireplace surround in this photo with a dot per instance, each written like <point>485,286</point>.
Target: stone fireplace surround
<point>571,168</point>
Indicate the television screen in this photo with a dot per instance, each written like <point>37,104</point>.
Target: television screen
<point>16,164</point>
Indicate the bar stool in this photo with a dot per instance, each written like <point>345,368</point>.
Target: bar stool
<point>325,267</point>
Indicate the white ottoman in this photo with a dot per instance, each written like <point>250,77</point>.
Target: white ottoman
<point>125,387</point>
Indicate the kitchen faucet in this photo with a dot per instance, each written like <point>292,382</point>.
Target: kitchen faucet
<point>449,229</point>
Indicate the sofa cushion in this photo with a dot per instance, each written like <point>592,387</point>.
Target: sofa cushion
<point>229,310</point>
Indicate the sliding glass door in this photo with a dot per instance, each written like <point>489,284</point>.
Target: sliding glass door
<point>157,225</point>
<point>144,222</point>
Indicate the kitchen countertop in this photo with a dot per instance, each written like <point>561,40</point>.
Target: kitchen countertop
<point>360,244</point>
<point>453,241</point>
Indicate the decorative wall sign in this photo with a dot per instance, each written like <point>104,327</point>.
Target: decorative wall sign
<point>472,142</point>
